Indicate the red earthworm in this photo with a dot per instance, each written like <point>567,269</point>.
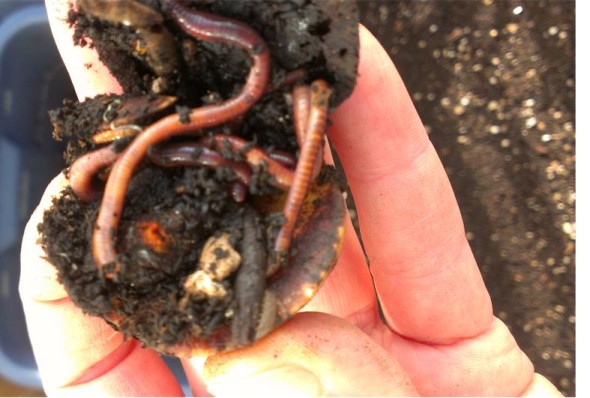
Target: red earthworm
<point>238,191</point>
<point>194,154</point>
<point>129,111</point>
<point>316,125</point>
<point>83,170</point>
<point>117,133</point>
<point>255,156</point>
<point>284,158</point>
<point>120,118</point>
<point>301,104</point>
<point>289,79</point>
<point>215,28</point>
<point>294,76</point>
<point>202,26</point>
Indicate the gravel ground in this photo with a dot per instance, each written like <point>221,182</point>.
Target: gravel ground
<point>494,82</point>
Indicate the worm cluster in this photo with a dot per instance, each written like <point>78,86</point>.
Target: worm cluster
<point>199,214</point>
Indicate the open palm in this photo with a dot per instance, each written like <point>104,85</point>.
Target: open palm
<point>435,334</point>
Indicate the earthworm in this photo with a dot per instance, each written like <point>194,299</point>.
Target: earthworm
<point>255,156</point>
<point>83,170</point>
<point>194,154</point>
<point>278,163</point>
<point>202,26</point>
<point>116,133</point>
<point>119,121</point>
<point>284,158</point>
<point>290,78</point>
<point>294,76</point>
<point>238,191</point>
<point>120,117</point>
<point>120,112</point>
<point>316,125</point>
<point>210,27</point>
<point>301,104</point>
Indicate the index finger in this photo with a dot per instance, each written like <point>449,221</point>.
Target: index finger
<point>425,274</point>
<point>89,74</point>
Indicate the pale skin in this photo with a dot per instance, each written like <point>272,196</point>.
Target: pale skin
<point>439,336</point>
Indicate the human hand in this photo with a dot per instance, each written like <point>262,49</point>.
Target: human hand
<point>439,337</point>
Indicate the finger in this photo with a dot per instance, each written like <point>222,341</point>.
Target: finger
<point>541,387</point>
<point>89,75</point>
<point>77,353</point>
<point>312,354</point>
<point>193,368</point>
<point>490,364</point>
<point>80,355</point>
<point>424,272</point>
<point>348,291</point>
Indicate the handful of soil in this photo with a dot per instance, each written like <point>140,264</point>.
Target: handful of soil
<point>200,215</point>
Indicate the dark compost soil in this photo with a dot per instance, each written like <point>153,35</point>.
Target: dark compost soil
<point>171,212</point>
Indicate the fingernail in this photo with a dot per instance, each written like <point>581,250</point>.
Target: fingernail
<point>287,380</point>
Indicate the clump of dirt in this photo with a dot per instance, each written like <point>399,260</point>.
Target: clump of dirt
<point>195,269</point>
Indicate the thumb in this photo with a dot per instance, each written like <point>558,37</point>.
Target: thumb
<point>312,354</point>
